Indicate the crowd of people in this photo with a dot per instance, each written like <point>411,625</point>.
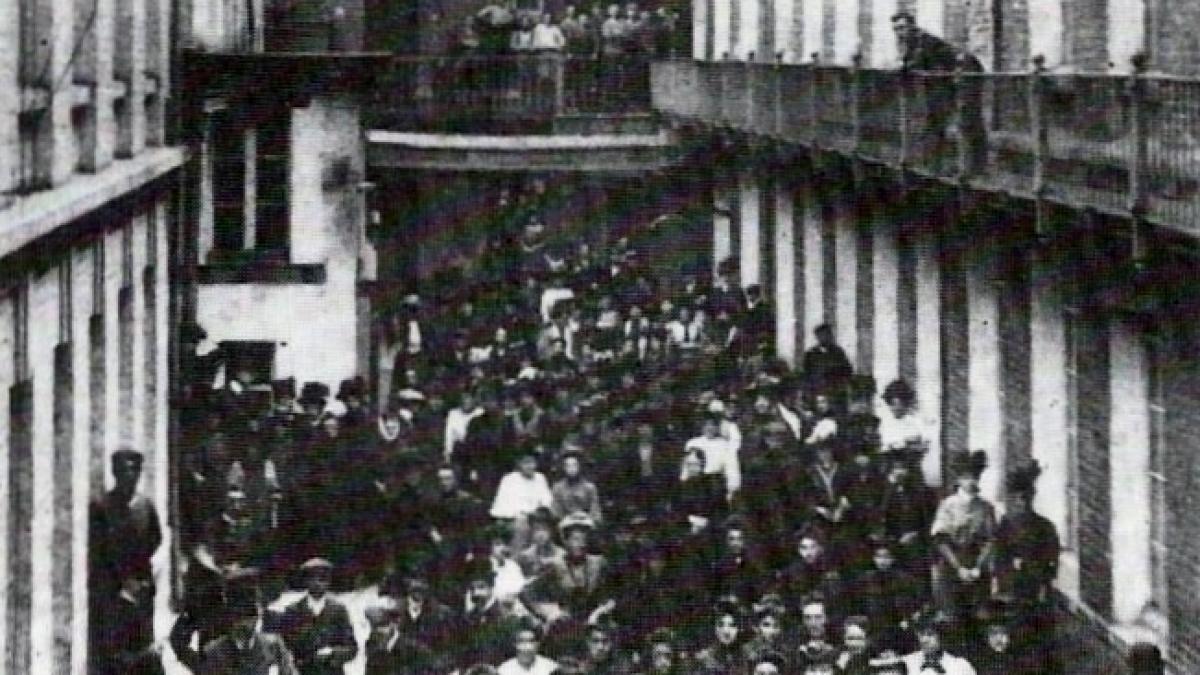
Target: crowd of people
<point>599,31</point>
<point>585,463</point>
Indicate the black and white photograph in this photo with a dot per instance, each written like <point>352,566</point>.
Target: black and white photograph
<point>654,337</point>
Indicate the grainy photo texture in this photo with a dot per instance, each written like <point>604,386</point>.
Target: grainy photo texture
<point>666,337</point>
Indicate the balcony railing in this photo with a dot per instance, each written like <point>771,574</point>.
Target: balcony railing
<point>505,94</point>
<point>1121,144</point>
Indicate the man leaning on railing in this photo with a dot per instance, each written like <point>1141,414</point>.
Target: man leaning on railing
<point>923,52</point>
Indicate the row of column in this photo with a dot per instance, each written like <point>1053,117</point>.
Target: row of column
<point>837,31</point>
<point>980,330</point>
<point>83,372</point>
<point>84,82</point>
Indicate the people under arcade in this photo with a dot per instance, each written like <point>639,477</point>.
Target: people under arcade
<point>617,478</point>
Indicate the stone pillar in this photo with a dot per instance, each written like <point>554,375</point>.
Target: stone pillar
<point>931,15</point>
<point>10,100</point>
<point>43,327</point>
<point>748,26</point>
<point>721,24</point>
<point>700,20</point>
<point>985,417</point>
<point>1048,390</point>
<point>813,17</point>
<point>95,65</point>
<point>1046,31</point>
<point>814,265</point>
<point>1126,33</point>
<point>785,273</point>
<point>845,32</point>
<point>885,265</point>
<point>1129,429</point>
<point>885,53</point>
<point>750,229</point>
<point>845,242</point>
<point>81,310</point>
<point>929,350</point>
<point>785,30</point>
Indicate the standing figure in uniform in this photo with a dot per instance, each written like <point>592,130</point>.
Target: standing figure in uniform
<point>964,531</point>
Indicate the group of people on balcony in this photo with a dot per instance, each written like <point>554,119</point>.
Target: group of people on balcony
<point>505,28</point>
<point>586,465</point>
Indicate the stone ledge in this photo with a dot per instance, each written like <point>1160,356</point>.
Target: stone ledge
<point>33,216</point>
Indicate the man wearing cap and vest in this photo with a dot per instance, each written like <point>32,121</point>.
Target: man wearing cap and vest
<point>245,648</point>
<point>317,628</point>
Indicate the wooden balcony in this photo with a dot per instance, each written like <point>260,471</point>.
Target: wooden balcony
<point>1126,145</point>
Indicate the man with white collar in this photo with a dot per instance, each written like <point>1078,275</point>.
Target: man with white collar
<point>317,628</point>
<point>931,658</point>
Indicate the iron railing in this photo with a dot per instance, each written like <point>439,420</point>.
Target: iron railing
<point>506,94</point>
<point>1121,144</point>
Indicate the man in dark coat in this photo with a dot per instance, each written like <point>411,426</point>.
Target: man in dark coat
<point>452,515</point>
<point>125,530</point>
<point>317,628</point>
<point>244,648</point>
<point>124,638</point>
<point>826,368</point>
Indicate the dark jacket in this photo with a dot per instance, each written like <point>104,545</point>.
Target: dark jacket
<point>223,657</point>
<point>306,634</point>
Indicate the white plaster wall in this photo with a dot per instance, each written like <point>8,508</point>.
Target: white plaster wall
<point>813,13</point>
<point>929,353</point>
<point>721,25</point>
<point>785,275</point>
<point>138,435</point>
<point>1126,33</point>
<point>785,19</point>
<point>931,15</point>
<point>81,294</point>
<point>1129,434</point>
<point>1046,31</point>
<point>984,413</point>
<point>845,246</point>
<point>314,325</point>
<point>885,268</point>
<point>749,221</point>
<point>845,34</point>
<point>6,381</point>
<point>43,336</point>
<point>748,28</point>
<point>814,268</point>
<point>700,21</point>
<point>1048,388</point>
<point>885,52</point>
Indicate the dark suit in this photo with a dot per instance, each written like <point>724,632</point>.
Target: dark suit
<point>434,628</point>
<point>123,637</point>
<point>223,656</point>
<point>827,370</point>
<point>123,536</point>
<point>306,634</point>
<point>487,636</point>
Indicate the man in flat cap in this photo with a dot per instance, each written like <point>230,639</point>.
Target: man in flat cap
<point>317,628</point>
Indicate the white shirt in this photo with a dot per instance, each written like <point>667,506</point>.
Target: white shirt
<point>519,496</point>
<point>953,665</point>
<point>791,419</point>
<point>457,423</point>
<point>541,666</point>
<point>720,457</point>
<point>548,36</point>
<point>895,433</point>
<point>314,605</point>
<point>509,580</point>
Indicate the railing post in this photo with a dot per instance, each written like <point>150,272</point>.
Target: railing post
<point>902,159</point>
<point>777,98</point>
<point>751,80</point>
<point>722,118</point>
<point>855,102</point>
<point>812,99</point>
<point>1138,204</point>
<point>1041,138</point>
